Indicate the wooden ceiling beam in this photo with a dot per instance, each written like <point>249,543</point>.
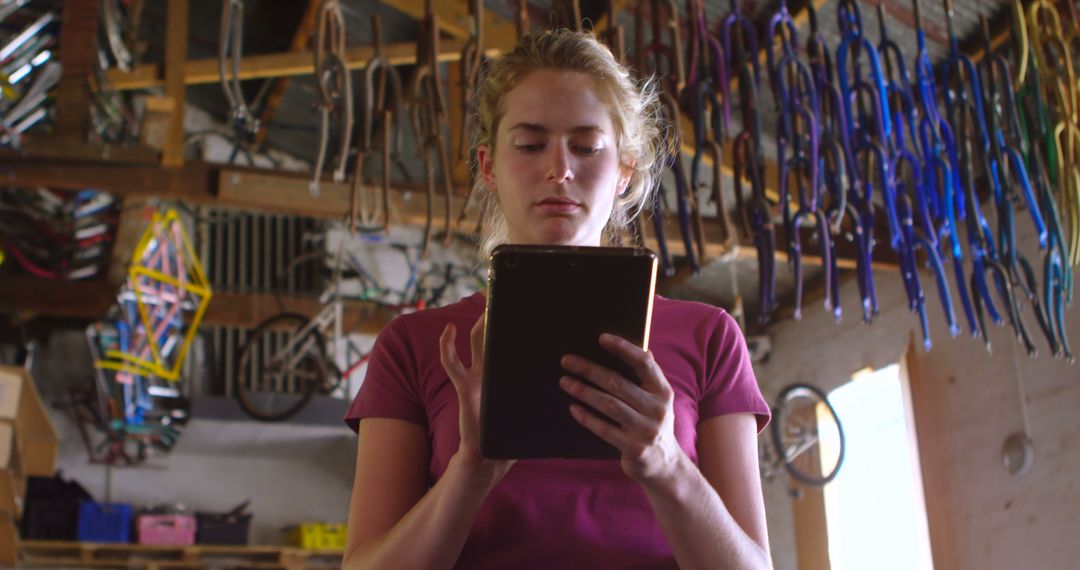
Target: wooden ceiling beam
<point>29,297</point>
<point>454,20</point>
<point>1000,34</point>
<point>602,23</point>
<point>200,183</point>
<point>301,40</point>
<point>202,71</point>
<point>905,15</point>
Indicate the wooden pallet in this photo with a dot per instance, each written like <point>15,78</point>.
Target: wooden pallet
<point>77,555</point>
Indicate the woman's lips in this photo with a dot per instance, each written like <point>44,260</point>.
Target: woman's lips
<point>557,206</point>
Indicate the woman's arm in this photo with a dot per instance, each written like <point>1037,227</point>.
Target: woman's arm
<point>715,517</point>
<point>703,531</point>
<point>393,523</point>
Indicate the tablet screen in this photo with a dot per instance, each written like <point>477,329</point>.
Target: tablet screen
<point>545,302</point>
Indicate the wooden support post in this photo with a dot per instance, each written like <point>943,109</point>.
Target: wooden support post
<point>460,171</point>
<point>78,51</point>
<point>175,59</point>
<point>454,20</point>
<point>130,226</point>
<point>811,535</point>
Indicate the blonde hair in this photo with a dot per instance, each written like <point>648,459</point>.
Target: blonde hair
<point>635,114</point>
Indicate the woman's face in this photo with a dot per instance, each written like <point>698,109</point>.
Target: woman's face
<point>554,166</point>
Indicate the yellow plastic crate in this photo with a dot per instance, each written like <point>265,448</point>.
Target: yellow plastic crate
<point>318,536</point>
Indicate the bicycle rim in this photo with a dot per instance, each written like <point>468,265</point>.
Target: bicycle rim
<point>272,382</point>
<point>802,420</point>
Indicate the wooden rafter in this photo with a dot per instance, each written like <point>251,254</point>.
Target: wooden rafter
<point>300,40</point>
<point>200,183</point>
<point>454,21</point>
<point>201,71</point>
<point>30,297</point>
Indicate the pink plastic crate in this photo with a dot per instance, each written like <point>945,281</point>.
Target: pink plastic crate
<point>166,529</point>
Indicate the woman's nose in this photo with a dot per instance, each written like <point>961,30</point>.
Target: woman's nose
<point>559,170</point>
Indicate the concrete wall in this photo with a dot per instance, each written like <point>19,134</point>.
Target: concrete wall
<point>966,403</point>
<point>290,473</point>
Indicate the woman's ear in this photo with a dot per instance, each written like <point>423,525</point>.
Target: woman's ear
<point>626,172</point>
<point>485,159</point>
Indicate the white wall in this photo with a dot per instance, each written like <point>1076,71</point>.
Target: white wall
<point>291,473</point>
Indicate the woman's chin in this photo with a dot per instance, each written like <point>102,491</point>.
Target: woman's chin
<point>560,232</point>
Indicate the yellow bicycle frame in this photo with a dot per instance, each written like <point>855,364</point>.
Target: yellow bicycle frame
<point>197,287</point>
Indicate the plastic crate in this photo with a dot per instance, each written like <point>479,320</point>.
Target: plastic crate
<point>318,536</point>
<point>216,528</point>
<point>50,520</point>
<point>104,522</point>
<point>171,530</point>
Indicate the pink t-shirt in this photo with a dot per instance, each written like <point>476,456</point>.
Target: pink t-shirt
<point>561,513</point>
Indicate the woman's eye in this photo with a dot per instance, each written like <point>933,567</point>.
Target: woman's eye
<point>530,147</point>
<point>587,150</point>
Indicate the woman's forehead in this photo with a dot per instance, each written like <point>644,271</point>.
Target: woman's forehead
<point>556,100</point>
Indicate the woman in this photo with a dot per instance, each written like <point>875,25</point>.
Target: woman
<point>568,148</point>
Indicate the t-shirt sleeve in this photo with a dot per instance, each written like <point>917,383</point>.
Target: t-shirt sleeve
<point>389,389</point>
<point>730,384</point>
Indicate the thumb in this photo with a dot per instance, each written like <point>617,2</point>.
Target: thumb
<point>448,354</point>
<point>477,338</point>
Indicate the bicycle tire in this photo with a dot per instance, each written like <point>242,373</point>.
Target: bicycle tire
<point>275,405</point>
<point>782,413</point>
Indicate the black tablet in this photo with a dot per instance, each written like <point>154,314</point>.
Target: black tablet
<point>544,302</point>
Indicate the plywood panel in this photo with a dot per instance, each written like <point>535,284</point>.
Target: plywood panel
<point>965,403</point>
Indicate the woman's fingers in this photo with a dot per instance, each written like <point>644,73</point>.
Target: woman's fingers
<point>603,403</point>
<point>612,383</point>
<point>448,354</point>
<point>602,429</point>
<point>642,361</point>
<point>477,338</point>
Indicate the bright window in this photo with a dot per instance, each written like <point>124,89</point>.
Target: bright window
<point>875,511</point>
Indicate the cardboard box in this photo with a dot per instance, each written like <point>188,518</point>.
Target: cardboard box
<point>12,479</point>
<point>12,488</point>
<point>7,443</point>
<point>11,383</point>
<point>9,541</point>
<point>36,441</point>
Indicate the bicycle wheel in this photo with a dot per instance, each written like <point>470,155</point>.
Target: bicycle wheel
<point>279,370</point>
<point>802,419</point>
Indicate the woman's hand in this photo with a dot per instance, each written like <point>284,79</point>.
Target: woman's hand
<point>467,384</point>
<point>645,413</point>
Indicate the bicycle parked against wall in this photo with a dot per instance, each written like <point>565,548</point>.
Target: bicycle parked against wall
<point>806,438</point>
<point>290,357</point>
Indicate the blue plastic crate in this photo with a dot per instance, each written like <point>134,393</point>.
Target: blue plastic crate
<point>104,522</point>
